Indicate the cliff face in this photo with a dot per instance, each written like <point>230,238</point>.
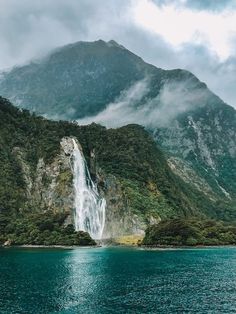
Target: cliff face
<point>130,171</point>
<point>205,141</point>
<point>49,187</point>
<point>121,219</point>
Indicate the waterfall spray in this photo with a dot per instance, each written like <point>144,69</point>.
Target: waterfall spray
<point>89,206</point>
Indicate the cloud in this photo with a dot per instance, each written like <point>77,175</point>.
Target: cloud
<point>179,25</point>
<point>201,5</point>
<point>123,109</point>
<point>195,35</point>
<point>132,107</point>
<point>29,29</point>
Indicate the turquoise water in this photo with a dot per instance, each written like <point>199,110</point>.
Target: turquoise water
<point>117,280</point>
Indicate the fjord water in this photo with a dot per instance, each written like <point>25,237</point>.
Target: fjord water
<point>89,206</point>
<point>117,280</point>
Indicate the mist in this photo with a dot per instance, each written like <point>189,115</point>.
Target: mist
<point>173,99</point>
<point>31,29</point>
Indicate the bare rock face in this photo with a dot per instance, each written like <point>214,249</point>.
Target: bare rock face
<point>184,170</point>
<point>202,149</point>
<point>50,187</point>
<point>7,243</point>
<point>67,145</point>
<point>119,220</point>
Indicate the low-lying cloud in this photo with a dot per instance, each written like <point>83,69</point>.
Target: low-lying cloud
<point>30,29</point>
<point>174,98</point>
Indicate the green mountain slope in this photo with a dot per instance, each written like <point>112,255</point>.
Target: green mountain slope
<point>81,79</point>
<point>130,170</point>
<point>194,127</point>
<point>75,81</point>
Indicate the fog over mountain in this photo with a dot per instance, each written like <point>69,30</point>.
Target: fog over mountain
<point>199,38</point>
<point>173,100</point>
<point>104,82</point>
<point>111,83</point>
<point>117,156</point>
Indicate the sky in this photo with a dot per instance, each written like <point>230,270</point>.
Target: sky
<point>197,35</point>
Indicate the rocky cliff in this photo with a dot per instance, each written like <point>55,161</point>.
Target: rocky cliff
<point>128,168</point>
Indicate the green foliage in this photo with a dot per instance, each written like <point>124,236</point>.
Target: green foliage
<point>101,72</point>
<point>129,153</point>
<point>146,200</point>
<point>45,228</point>
<point>190,232</point>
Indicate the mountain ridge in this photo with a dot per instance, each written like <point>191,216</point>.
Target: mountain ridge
<point>131,172</point>
<point>81,52</point>
<point>90,79</point>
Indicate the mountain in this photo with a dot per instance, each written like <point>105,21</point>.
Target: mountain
<point>37,174</point>
<point>81,79</point>
<point>74,81</point>
<point>106,83</point>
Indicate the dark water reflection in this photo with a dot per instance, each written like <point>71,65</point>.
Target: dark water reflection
<point>117,280</point>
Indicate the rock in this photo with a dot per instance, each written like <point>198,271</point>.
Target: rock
<point>7,243</point>
<point>50,186</point>
<point>67,145</point>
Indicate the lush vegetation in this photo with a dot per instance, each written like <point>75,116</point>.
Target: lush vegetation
<point>190,232</point>
<point>128,153</point>
<point>46,228</point>
<point>51,87</point>
<point>101,71</point>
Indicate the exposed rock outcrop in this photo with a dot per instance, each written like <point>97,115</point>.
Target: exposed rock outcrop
<point>50,186</point>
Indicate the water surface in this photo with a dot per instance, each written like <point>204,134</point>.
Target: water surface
<point>117,280</point>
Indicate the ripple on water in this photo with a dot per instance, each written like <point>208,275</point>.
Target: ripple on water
<point>117,280</point>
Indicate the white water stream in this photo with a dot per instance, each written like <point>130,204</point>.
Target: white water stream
<point>89,206</point>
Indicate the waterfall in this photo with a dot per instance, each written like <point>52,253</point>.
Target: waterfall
<point>89,206</point>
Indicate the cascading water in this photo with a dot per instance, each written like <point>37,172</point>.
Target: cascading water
<point>89,206</point>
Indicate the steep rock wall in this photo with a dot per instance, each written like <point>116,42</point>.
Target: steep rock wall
<point>50,187</point>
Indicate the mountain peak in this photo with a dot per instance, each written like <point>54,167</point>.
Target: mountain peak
<point>113,43</point>
<point>92,44</point>
<point>106,83</point>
